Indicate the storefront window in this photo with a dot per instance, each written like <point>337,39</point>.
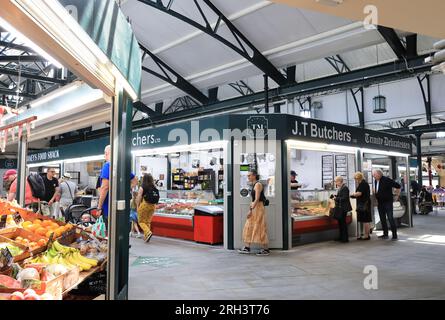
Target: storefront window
<point>312,175</point>
<point>185,179</point>
<point>265,164</point>
<point>392,167</point>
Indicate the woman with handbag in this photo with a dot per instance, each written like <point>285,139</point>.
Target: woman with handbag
<point>255,229</point>
<point>342,207</point>
<point>148,197</point>
<point>363,196</point>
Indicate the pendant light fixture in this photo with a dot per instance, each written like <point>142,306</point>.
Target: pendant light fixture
<point>379,101</point>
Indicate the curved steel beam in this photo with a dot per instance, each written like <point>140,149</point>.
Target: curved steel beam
<point>393,41</point>
<point>179,82</point>
<point>252,54</point>
<point>341,67</point>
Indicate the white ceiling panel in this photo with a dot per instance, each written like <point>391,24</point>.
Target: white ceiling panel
<point>425,44</point>
<point>276,25</point>
<point>197,55</point>
<point>153,27</point>
<point>366,57</point>
<point>313,70</point>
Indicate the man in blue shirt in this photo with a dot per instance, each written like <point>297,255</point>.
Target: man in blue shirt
<point>105,185</point>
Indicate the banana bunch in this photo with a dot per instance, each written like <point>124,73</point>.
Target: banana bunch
<point>66,256</point>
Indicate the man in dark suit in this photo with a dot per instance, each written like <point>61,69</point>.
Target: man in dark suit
<point>343,205</point>
<point>383,190</point>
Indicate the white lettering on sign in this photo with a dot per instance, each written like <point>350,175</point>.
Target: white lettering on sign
<point>321,132</point>
<point>143,140</point>
<point>43,156</point>
<point>387,142</point>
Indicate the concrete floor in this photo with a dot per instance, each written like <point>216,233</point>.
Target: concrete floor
<point>412,268</point>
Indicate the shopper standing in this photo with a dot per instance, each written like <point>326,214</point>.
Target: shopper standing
<point>134,227</point>
<point>68,191</point>
<point>363,196</point>
<point>255,229</point>
<point>102,205</point>
<point>342,207</point>
<point>383,190</point>
<point>52,190</point>
<point>30,201</point>
<point>8,179</point>
<point>146,201</point>
<point>415,189</point>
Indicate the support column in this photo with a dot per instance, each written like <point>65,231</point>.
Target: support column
<point>266,93</point>
<point>21,169</point>
<point>119,198</point>
<point>419,158</point>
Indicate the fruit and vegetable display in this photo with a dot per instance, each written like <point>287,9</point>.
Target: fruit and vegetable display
<point>96,250</point>
<point>32,245</point>
<point>46,263</point>
<point>30,294</point>
<point>67,256</point>
<point>46,227</point>
<point>15,251</point>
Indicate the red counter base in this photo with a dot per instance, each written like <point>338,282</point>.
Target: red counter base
<point>322,224</point>
<point>172,227</point>
<point>208,229</point>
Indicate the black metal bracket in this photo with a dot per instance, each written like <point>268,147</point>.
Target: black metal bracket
<point>12,72</point>
<point>241,87</point>
<point>338,64</point>
<point>394,42</point>
<point>341,67</point>
<point>242,45</point>
<point>181,104</point>
<point>171,76</point>
<point>142,107</point>
<point>303,101</point>
<point>426,94</point>
<point>22,58</point>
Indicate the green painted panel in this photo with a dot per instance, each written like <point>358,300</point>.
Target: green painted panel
<point>107,26</point>
<point>69,151</point>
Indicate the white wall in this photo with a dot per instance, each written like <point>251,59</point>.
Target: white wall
<point>404,100</point>
<point>309,168</point>
<point>82,168</point>
<point>155,166</point>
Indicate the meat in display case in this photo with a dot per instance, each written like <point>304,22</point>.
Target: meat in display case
<point>181,203</point>
<point>310,204</point>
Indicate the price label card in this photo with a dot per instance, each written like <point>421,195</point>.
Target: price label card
<point>51,240</point>
<point>17,218</point>
<point>3,221</point>
<point>6,258</point>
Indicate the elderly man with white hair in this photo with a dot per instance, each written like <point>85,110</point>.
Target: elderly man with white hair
<point>383,190</point>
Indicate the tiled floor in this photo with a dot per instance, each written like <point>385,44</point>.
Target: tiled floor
<point>412,268</point>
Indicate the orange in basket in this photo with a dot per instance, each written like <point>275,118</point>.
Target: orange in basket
<point>47,223</point>
<point>41,231</point>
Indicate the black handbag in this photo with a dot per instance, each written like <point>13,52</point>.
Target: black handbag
<point>337,211</point>
<point>362,207</point>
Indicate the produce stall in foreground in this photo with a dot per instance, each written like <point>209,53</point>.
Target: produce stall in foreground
<point>42,258</point>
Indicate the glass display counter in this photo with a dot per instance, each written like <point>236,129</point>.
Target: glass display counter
<point>182,203</point>
<point>310,211</point>
<point>310,204</point>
